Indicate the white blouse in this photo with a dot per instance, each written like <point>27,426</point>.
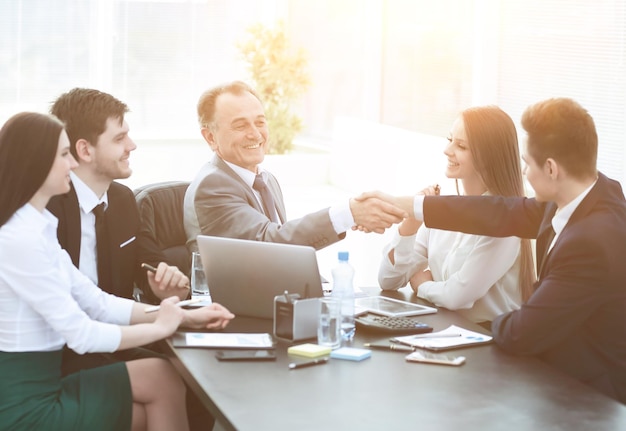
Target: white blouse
<point>476,275</point>
<point>45,301</point>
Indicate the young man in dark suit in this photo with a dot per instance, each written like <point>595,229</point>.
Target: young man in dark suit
<point>576,318</point>
<point>100,143</point>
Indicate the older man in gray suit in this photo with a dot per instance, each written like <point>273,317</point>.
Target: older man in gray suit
<point>229,196</point>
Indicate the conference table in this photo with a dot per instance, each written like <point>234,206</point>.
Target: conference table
<point>491,391</point>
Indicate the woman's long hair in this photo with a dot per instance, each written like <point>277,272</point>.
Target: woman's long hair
<point>495,150</point>
<point>28,146</point>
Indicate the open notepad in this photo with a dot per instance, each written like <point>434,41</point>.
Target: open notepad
<point>450,338</point>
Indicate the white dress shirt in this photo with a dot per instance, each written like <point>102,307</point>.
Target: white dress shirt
<point>562,215</point>
<point>477,275</point>
<point>45,301</point>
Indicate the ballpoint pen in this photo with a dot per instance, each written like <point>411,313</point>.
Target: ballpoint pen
<point>435,335</point>
<point>180,304</point>
<point>294,365</point>
<point>390,346</point>
<point>153,270</point>
<point>432,336</point>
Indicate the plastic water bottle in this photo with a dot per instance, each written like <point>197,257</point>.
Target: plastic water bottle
<point>343,276</point>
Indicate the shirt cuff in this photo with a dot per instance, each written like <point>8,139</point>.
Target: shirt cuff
<point>418,207</point>
<point>404,245</point>
<point>423,290</point>
<point>341,217</point>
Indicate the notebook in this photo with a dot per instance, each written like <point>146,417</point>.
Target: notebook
<point>245,276</point>
<point>450,338</point>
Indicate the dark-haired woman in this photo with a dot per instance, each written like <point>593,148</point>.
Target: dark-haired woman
<point>45,303</point>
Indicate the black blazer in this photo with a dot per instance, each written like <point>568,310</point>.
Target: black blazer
<point>576,318</point>
<point>128,248</point>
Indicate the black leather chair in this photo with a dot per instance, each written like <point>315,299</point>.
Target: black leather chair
<point>161,211</point>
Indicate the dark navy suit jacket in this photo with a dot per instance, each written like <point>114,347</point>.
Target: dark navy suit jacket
<point>128,248</point>
<point>576,318</point>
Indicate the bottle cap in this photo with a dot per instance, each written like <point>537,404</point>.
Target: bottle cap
<point>343,255</point>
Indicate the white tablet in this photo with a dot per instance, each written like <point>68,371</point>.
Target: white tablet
<point>391,307</point>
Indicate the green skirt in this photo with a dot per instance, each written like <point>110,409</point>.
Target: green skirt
<point>34,396</point>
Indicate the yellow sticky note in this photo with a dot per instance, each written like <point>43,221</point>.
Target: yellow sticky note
<point>309,350</point>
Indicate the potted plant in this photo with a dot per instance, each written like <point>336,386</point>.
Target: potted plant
<point>278,73</point>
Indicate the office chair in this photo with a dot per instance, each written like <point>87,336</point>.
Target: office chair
<point>161,213</point>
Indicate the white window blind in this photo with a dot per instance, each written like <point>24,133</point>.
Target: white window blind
<point>565,48</point>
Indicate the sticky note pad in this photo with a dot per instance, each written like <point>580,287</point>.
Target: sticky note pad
<point>351,353</point>
<point>309,350</point>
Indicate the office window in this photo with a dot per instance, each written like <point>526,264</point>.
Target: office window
<point>427,64</point>
<point>44,47</point>
<point>569,49</point>
<point>411,64</point>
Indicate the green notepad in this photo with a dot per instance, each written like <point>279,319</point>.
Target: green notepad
<point>309,350</point>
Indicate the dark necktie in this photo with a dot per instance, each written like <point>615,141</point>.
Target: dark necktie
<point>102,241</point>
<point>267,198</point>
<point>543,247</point>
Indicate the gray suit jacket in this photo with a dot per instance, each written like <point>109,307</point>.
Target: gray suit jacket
<point>219,203</point>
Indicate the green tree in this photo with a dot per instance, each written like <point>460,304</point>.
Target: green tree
<point>278,73</point>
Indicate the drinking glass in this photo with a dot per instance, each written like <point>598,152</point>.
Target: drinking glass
<point>329,326</point>
<point>199,285</point>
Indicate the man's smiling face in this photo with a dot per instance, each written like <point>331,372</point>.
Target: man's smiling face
<point>239,134</point>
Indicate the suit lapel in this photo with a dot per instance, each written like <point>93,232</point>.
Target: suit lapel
<point>543,243</point>
<point>220,164</point>
<point>65,208</point>
<point>584,208</point>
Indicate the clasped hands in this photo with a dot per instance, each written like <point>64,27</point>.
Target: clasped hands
<point>376,211</point>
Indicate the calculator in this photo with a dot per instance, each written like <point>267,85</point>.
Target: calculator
<point>392,325</point>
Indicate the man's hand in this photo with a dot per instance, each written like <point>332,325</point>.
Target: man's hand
<point>214,316</point>
<point>167,281</point>
<point>375,214</point>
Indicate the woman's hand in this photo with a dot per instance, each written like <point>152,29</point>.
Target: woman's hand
<point>419,278</point>
<point>214,316</point>
<point>170,316</point>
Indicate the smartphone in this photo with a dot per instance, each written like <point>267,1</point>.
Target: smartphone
<point>435,358</point>
<point>245,355</point>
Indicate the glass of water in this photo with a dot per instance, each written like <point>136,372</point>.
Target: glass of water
<point>199,285</point>
<point>329,326</point>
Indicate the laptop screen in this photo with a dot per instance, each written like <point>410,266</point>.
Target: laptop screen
<point>245,276</point>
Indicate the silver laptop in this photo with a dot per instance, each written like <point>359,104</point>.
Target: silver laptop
<point>245,276</point>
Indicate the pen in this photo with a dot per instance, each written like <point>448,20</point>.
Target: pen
<point>436,335</point>
<point>396,347</point>
<point>433,336</point>
<point>180,304</point>
<point>321,361</point>
<point>153,270</point>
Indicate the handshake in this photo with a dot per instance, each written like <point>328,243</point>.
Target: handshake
<point>376,211</point>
